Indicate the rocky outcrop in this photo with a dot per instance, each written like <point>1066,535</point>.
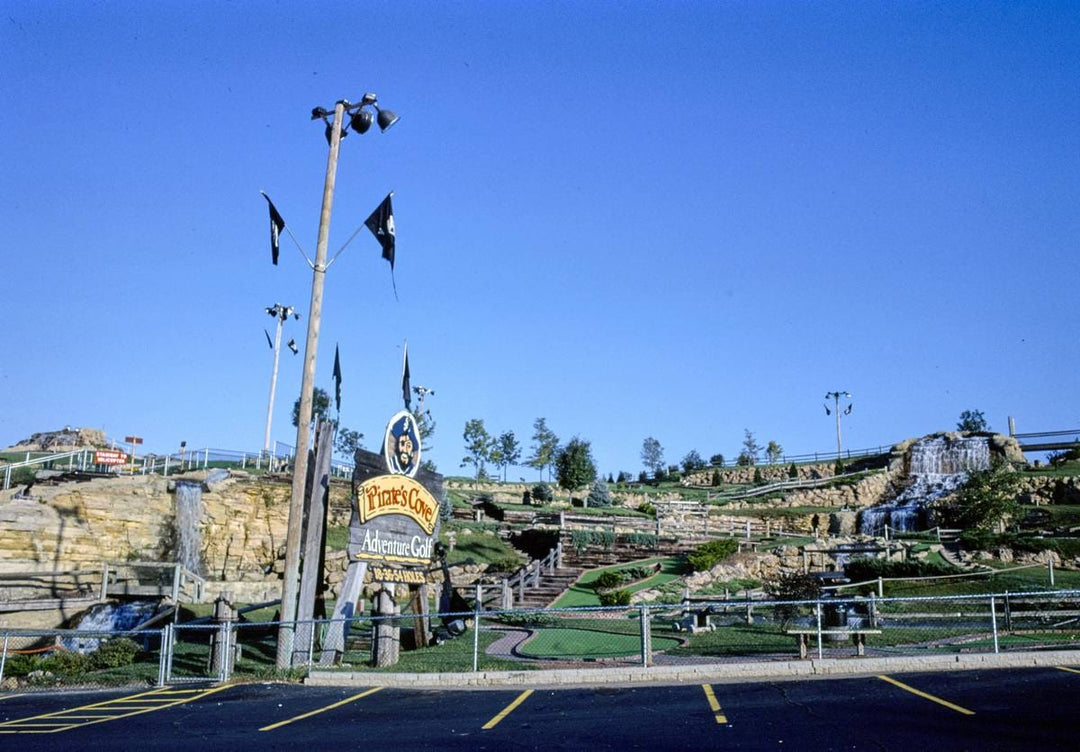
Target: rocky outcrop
<point>65,439</point>
<point>1001,446</point>
<point>81,525</point>
<point>1049,490</point>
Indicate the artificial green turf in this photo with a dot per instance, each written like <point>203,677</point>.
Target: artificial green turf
<point>583,644</point>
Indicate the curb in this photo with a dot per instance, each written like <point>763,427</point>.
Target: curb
<point>697,673</point>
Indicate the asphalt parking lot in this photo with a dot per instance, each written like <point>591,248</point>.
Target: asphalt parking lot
<point>999,709</point>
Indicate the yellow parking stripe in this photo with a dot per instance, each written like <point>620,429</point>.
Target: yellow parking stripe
<point>100,712</point>
<point>338,704</point>
<point>1066,668</point>
<point>930,697</point>
<point>507,710</point>
<point>714,703</point>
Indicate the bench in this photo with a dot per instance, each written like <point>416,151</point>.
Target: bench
<point>858,637</point>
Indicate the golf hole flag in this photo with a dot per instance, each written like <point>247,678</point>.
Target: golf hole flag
<point>277,224</point>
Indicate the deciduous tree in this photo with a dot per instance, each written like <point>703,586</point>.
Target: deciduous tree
<point>574,466</point>
<point>478,446</point>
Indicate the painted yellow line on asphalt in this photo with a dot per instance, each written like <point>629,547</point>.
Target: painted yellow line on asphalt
<point>107,710</point>
<point>1066,668</point>
<point>338,704</point>
<point>507,710</point>
<point>930,697</point>
<point>714,703</point>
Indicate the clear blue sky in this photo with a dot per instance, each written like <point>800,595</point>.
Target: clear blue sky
<point>675,219</point>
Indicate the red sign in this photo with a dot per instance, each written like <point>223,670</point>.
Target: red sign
<point>132,440</point>
<point>109,457</point>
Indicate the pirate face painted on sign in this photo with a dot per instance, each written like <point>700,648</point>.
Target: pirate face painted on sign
<point>401,447</point>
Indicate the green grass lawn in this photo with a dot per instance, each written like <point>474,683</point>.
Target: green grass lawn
<point>1065,469</point>
<point>1023,580</point>
<point>581,593</point>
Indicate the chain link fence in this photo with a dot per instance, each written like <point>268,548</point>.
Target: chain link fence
<point>523,639</point>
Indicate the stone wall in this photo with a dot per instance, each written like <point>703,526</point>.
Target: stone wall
<point>769,473</point>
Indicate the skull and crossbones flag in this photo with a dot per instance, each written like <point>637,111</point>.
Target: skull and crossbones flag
<point>277,224</point>
<point>381,224</point>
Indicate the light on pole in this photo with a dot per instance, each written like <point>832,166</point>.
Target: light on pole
<point>336,127</point>
<point>281,313</point>
<point>835,397</point>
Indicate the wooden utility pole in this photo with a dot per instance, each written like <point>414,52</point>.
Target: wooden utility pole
<point>307,388</point>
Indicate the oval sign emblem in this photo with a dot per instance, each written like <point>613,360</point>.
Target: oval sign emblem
<point>401,445</point>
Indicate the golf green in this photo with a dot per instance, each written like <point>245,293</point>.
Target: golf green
<point>587,643</point>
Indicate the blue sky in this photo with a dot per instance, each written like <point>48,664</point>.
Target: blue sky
<point>678,220</point>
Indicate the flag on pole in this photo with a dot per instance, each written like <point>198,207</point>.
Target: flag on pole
<point>277,224</point>
<point>337,379</point>
<point>381,224</point>
<point>405,387</point>
<point>268,340</point>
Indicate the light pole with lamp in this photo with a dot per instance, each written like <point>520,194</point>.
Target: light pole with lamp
<point>281,313</point>
<point>835,397</point>
<point>360,119</point>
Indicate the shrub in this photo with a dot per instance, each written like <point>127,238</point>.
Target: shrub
<point>582,539</point>
<point>640,539</point>
<point>982,540</point>
<point>542,492</point>
<point>615,598</point>
<point>707,555</point>
<point>599,496</point>
<point>792,471</point>
<point>528,619</point>
<point>65,662</point>
<point>608,580</point>
<point>1067,548</point>
<point>117,652</point>
<point>643,477</point>
<point>716,478</point>
<point>862,569</point>
<point>838,467</point>
<point>794,586</point>
<point>758,480</point>
<point>647,508</point>
<point>504,564</point>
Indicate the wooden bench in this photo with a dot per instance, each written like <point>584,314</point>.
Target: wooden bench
<point>858,637</point>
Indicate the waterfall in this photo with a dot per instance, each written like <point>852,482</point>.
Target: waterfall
<point>189,511</point>
<point>107,618</point>
<point>937,466</point>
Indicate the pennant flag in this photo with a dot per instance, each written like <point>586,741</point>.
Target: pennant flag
<point>337,378</point>
<point>277,224</point>
<point>848,411</point>
<point>405,388</point>
<point>268,340</point>
<point>827,410</point>
<point>381,224</point>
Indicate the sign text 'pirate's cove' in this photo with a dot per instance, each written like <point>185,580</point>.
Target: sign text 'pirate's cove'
<point>398,494</point>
